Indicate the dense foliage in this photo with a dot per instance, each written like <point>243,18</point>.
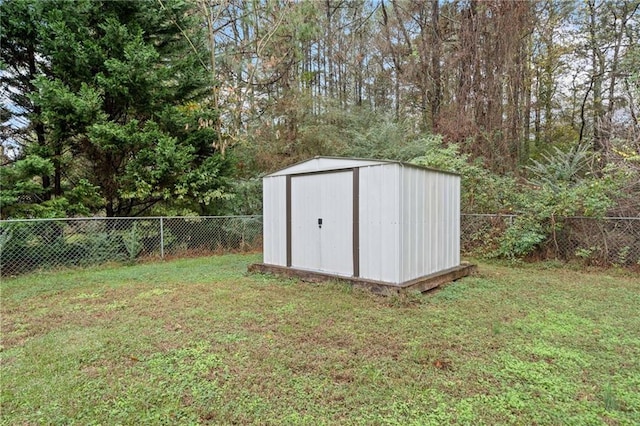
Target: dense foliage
<point>170,107</point>
<point>111,92</point>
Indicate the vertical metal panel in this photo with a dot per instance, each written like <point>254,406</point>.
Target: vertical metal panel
<point>430,222</point>
<point>379,223</point>
<point>305,211</point>
<point>327,247</point>
<point>455,214</point>
<point>337,229</point>
<point>274,220</point>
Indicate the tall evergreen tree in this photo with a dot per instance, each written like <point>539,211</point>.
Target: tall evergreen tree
<point>115,93</point>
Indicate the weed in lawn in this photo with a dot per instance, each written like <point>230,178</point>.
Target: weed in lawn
<point>420,353</point>
<point>609,398</point>
<point>153,292</point>
<point>86,296</point>
<point>405,300</point>
<point>286,309</point>
<point>117,305</point>
<point>340,286</point>
<point>496,328</point>
<point>371,374</point>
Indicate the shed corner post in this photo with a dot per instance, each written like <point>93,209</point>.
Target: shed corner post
<point>288,218</point>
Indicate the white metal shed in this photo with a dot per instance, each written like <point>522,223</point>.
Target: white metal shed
<point>374,220</point>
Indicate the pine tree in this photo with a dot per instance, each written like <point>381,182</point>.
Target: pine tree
<point>115,92</point>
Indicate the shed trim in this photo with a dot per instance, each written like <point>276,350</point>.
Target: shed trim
<point>288,218</point>
<point>356,222</point>
<point>379,163</point>
<point>421,284</point>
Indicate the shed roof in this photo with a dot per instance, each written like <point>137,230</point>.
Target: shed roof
<point>321,164</point>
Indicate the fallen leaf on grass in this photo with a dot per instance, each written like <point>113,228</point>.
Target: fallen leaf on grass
<point>442,364</point>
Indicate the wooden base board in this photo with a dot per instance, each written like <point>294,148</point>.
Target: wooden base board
<point>421,284</point>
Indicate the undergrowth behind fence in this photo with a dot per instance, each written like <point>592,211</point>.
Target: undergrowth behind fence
<point>27,245</point>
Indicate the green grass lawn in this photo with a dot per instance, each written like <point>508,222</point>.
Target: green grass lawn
<point>197,341</point>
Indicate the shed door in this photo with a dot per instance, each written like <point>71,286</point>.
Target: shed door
<point>327,247</point>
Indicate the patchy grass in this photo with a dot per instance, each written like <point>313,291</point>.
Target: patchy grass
<point>197,341</point>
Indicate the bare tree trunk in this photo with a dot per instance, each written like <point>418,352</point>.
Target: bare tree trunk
<point>57,174</point>
<point>537,112</point>
<point>615,60</point>
<point>329,46</point>
<point>436,53</point>
<point>38,124</point>
<point>396,61</point>
<point>597,65</point>
<point>524,151</point>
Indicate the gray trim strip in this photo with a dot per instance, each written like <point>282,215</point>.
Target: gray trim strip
<point>356,222</point>
<point>381,162</point>
<point>321,172</point>
<point>288,218</point>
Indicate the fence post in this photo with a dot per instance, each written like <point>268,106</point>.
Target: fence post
<point>244,232</point>
<point>161,238</point>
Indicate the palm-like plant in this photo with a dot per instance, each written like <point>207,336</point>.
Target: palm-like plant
<point>561,167</point>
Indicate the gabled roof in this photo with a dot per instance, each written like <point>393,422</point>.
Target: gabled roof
<point>321,164</point>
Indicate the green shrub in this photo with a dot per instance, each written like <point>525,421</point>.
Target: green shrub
<point>560,186</point>
<point>482,191</point>
<point>132,242</point>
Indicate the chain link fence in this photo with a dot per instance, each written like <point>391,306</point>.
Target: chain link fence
<point>27,245</point>
<point>601,242</point>
<point>609,241</point>
<point>479,232</point>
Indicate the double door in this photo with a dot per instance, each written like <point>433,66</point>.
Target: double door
<point>322,222</point>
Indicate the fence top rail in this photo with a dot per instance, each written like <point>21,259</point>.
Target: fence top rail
<point>59,219</point>
<point>488,215</point>
<point>564,217</point>
<point>604,218</point>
